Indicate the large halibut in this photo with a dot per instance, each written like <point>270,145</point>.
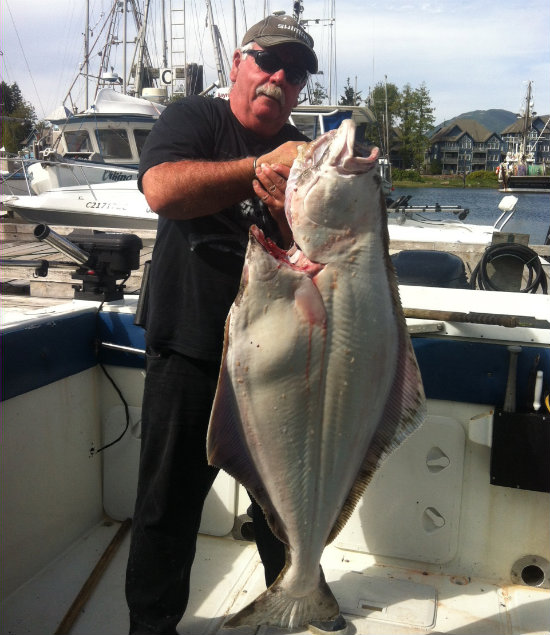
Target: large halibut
<point>319,382</point>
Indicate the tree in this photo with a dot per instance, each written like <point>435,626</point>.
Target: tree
<point>318,95</point>
<point>18,117</point>
<point>379,130</point>
<point>416,115</point>
<point>350,97</point>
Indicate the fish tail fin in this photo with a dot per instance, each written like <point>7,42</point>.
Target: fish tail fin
<point>278,607</point>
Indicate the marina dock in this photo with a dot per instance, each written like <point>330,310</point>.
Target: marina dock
<point>21,286</point>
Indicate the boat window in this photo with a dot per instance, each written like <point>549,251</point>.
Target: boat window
<point>78,141</point>
<point>113,144</point>
<point>140,136</point>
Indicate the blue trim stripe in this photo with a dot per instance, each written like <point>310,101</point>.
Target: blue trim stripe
<point>45,352</point>
<point>119,328</point>
<point>475,372</point>
<point>37,355</point>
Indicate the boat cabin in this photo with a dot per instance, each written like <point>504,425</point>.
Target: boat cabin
<point>113,130</point>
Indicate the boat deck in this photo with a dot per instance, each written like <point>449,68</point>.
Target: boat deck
<point>227,574</point>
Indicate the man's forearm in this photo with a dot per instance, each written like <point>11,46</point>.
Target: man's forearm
<point>189,189</point>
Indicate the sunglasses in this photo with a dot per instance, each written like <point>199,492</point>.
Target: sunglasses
<point>271,63</point>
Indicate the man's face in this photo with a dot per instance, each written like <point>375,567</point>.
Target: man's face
<point>262,98</point>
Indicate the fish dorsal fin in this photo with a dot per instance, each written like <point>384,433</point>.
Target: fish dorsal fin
<point>403,414</point>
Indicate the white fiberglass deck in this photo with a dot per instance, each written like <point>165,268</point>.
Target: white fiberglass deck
<point>227,574</point>
<point>454,545</point>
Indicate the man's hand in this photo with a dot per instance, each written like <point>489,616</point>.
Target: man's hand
<point>270,186</point>
<point>284,154</point>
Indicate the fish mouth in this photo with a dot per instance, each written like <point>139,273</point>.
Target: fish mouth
<point>340,150</point>
<point>294,258</point>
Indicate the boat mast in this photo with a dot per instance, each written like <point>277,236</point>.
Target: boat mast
<point>217,44</point>
<point>297,10</point>
<point>138,82</point>
<point>164,39</point>
<point>124,42</point>
<point>178,49</point>
<point>86,53</point>
<point>526,123</point>
<point>234,16</point>
<point>387,139</point>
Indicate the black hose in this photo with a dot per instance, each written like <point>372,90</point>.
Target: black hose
<point>536,277</point>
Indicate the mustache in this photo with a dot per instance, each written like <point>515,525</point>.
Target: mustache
<point>270,90</point>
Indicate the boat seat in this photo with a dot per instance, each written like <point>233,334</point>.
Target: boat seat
<point>422,267</point>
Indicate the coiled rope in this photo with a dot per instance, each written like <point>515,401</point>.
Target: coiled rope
<point>536,277</point>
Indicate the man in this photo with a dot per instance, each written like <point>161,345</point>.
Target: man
<point>210,169</point>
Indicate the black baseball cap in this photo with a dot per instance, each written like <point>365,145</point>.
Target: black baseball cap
<point>284,29</point>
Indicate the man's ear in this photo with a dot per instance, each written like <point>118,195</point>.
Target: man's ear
<point>237,59</point>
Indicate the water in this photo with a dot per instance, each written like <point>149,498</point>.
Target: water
<point>531,216</point>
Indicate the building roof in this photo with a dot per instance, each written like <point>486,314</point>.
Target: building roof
<point>538,122</point>
<point>458,128</point>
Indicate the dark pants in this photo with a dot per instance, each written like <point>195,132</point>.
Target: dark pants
<point>174,480</point>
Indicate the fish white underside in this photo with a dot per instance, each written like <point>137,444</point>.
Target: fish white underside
<point>318,384</point>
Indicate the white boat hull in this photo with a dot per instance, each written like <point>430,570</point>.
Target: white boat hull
<point>108,205</point>
<point>437,231</point>
<point>120,205</point>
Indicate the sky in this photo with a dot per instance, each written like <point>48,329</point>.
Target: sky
<point>471,54</point>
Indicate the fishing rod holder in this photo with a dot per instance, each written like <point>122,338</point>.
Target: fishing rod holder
<point>102,258</point>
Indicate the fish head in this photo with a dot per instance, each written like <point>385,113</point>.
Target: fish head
<point>333,194</point>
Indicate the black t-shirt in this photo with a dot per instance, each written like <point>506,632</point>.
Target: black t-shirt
<point>197,264</point>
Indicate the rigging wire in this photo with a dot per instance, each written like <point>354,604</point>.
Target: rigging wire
<point>25,58</point>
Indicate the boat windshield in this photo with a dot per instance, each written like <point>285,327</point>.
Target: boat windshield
<point>114,144</point>
<point>140,136</point>
<point>78,141</point>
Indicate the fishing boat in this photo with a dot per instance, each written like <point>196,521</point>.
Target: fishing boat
<point>109,131</point>
<point>111,203</point>
<point>75,188</point>
<point>443,224</point>
<point>84,160</point>
<point>520,172</point>
<point>451,536</point>
<point>81,162</point>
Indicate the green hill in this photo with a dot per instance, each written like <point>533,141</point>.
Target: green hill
<point>495,119</point>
